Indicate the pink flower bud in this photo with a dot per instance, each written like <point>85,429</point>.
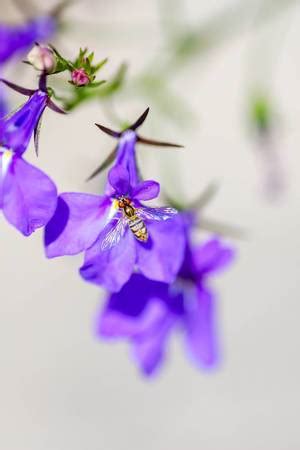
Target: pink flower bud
<point>80,77</point>
<point>42,58</point>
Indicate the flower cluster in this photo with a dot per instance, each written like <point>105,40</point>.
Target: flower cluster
<point>28,197</point>
<point>144,256</point>
<point>116,231</point>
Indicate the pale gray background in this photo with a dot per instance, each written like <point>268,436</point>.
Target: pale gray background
<point>61,389</point>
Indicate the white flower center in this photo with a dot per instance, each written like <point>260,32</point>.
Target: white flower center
<point>112,210</point>
<point>128,136</point>
<point>5,161</point>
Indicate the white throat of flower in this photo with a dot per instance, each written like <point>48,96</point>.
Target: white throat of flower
<point>112,210</point>
<point>6,158</point>
<point>128,135</point>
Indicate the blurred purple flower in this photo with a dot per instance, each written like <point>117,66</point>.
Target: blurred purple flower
<point>99,226</point>
<point>17,39</point>
<point>27,196</point>
<point>146,312</point>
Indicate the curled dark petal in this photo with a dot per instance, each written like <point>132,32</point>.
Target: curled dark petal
<point>37,136</point>
<point>157,143</point>
<point>109,160</point>
<point>139,121</point>
<point>25,6</point>
<point>19,89</point>
<point>115,134</point>
<point>55,108</point>
<point>58,9</point>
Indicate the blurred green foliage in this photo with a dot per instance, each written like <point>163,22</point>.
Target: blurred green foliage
<point>261,113</point>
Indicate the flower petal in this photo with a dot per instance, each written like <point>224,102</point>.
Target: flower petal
<point>212,256</point>
<point>136,293</point>
<point>16,130</point>
<point>139,313</point>
<point>118,178</point>
<point>160,258</point>
<point>110,268</point>
<point>29,196</point>
<point>121,318</point>
<point>201,328</point>
<point>146,190</point>
<point>125,157</point>
<point>149,345</point>
<point>76,223</point>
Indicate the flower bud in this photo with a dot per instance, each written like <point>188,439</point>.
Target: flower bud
<point>80,77</point>
<point>42,58</point>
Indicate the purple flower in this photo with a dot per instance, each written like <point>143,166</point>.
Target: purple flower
<point>16,130</point>
<point>117,233</point>
<point>16,39</point>
<point>27,196</point>
<point>124,154</point>
<point>147,312</point>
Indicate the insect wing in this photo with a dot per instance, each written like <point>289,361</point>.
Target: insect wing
<point>163,213</point>
<point>114,235</point>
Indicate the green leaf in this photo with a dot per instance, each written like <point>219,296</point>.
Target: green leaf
<point>95,85</point>
<point>116,83</point>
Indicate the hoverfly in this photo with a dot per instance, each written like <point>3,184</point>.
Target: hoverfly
<point>133,217</point>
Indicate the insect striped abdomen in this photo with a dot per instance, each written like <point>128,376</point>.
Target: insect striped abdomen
<point>138,228</point>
